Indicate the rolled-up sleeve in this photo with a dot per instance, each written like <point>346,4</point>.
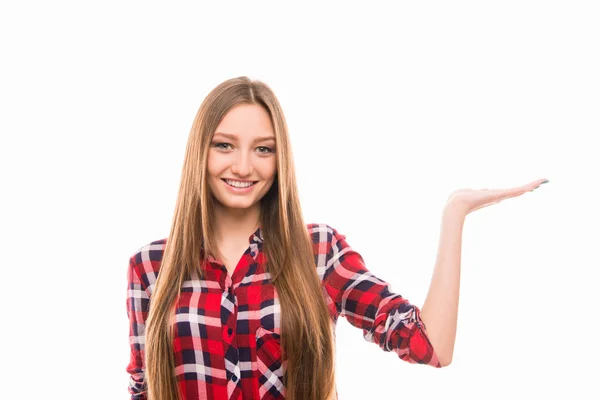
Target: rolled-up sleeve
<point>137,307</point>
<point>367,302</point>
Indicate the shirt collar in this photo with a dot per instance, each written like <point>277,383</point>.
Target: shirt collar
<point>257,236</point>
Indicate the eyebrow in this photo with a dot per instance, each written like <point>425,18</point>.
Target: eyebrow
<point>233,137</point>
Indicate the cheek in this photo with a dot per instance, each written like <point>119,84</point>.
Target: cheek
<point>269,169</point>
<point>213,165</point>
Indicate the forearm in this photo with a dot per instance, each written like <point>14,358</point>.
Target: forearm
<point>440,310</point>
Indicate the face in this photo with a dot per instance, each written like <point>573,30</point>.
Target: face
<point>242,153</point>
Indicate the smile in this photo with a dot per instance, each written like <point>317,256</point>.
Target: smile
<point>238,184</point>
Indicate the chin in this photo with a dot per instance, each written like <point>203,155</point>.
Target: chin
<point>237,206</point>
<point>227,203</point>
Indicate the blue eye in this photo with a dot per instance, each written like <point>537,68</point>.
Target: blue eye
<point>262,149</point>
<point>268,149</point>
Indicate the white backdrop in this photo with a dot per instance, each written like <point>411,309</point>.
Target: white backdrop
<point>390,108</point>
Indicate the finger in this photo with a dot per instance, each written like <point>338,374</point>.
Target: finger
<point>503,194</point>
<point>536,184</point>
<point>498,195</point>
<point>527,187</point>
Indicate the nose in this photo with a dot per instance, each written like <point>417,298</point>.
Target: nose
<point>242,165</point>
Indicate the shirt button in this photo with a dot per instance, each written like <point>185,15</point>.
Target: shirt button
<point>234,378</point>
<point>252,254</point>
<point>229,331</point>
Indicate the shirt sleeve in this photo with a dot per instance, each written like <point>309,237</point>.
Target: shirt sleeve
<point>137,310</point>
<point>367,302</point>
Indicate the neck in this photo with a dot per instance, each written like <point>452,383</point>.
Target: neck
<point>236,223</point>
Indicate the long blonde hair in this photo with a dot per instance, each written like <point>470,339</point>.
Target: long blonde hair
<point>306,326</point>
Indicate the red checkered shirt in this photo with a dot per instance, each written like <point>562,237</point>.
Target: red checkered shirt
<point>227,328</point>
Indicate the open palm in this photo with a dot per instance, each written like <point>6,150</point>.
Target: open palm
<point>471,200</point>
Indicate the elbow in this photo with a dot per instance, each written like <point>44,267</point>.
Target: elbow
<point>445,363</point>
<point>443,355</point>
<point>445,360</point>
<point>443,351</point>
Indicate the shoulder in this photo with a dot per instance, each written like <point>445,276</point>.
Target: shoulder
<point>145,261</point>
<point>323,233</point>
<point>329,247</point>
<point>320,232</point>
<point>327,240</point>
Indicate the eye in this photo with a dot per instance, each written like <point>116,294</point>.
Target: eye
<point>267,149</point>
<point>218,145</point>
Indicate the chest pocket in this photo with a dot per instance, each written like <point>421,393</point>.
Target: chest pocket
<point>270,309</point>
<point>269,364</point>
<point>197,314</point>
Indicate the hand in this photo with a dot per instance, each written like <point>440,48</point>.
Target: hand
<point>470,200</point>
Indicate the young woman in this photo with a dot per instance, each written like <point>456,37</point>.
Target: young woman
<point>241,300</point>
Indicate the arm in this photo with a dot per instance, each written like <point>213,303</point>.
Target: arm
<point>440,310</point>
<point>367,302</point>
<point>137,306</point>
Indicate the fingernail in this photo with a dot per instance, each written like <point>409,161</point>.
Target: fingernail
<point>546,181</point>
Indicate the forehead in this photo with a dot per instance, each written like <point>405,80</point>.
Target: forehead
<point>246,122</point>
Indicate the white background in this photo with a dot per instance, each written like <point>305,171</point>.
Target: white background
<point>390,108</point>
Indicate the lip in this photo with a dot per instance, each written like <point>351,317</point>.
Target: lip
<point>238,180</point>
<point>239,190</point>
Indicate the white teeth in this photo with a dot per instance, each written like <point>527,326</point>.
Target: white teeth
<point>239,184</point>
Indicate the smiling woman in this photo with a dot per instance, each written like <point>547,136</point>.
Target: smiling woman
<point>238,309</point>
<point>245,295</point>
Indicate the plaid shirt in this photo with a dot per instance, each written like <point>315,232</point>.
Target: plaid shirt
<point>227,328</point>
